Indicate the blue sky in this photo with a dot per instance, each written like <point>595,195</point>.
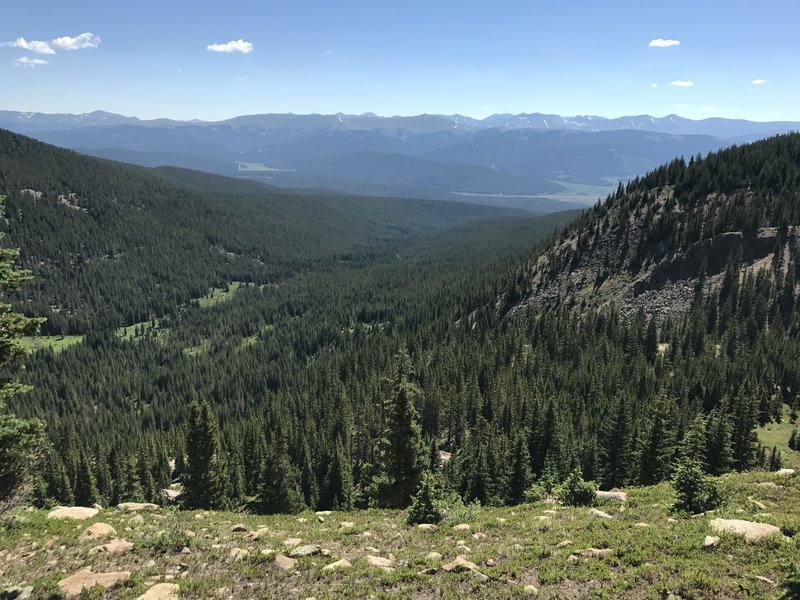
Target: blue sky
<point>151,59</point>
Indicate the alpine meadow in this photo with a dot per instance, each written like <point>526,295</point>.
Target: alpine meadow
<point>326,355</point>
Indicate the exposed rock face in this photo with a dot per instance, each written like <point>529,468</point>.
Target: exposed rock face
<point>98,530</point>
<point>79,513</point>
<point>751,531</point>
<point>161,591</point>
<point>84,579</point>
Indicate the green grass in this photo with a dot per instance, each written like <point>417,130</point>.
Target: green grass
<point>777,434</point>
<point>129,332</point>
<point>217,295</point>
<point>56,343</point>
<point>516,547</point>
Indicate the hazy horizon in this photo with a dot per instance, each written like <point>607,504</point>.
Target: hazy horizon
<point>209,63</point>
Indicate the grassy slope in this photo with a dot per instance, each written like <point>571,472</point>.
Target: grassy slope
<point>645,563</point>
<point>777,434</point>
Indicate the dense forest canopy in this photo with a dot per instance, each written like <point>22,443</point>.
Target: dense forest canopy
<point>362,343</point>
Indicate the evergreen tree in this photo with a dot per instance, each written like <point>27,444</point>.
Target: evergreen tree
<point>403,454</point>
<point>521,476</point>
<point>205,480</point>
<point>85,484</point>
<point>21,440</point>
<point>616,452</point>
<point>280,488</point>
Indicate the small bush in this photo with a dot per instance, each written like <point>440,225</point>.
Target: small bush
<point>696,493</point>
<point>428,505</point>
<point>575,491</point>
<point>535,493</point>
<point>171,539</point>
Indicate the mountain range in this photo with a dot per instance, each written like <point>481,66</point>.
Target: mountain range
<point>538,162</point>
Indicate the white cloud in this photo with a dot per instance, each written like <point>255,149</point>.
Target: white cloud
<point>34,46</point>
<point>64,43</point>
<point>84,40</point>
<point>30,62</point>
<point>681,83</point>
<point>759,81</point>
<point>659,43</point>
<point>654,85</point>
<point>232,46</point>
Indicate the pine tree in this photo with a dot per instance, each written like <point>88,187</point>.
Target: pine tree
<point>22,441</point>
<point>205,480</point>
<point>521,476</point>
<point>85,484</point>
<point>718,454</point>
<point>280,488</point>
<point>403,454</point>
<point>657,449</point>
<point>615,450</point>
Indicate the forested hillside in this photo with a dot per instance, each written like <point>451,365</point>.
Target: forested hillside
<point>323,385</point>
<point>648,245</point>
<point>111,245</point>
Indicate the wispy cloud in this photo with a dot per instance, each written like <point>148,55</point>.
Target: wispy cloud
<point>659,43</point>
<point>654,85</point>
<point>759,81</point>
<point>232,46</point>
<point>84,40</point>
<point>63,44</point>
<point>30,62</point>
<point>681,83</point>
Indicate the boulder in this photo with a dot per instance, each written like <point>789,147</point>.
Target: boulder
<point>380,562</point>
<point>338,565</point>
<point>599,513</point>
<point>615,495</point>
<point>710,541</point>
<point>98,530</point>
<point>347,524</point>
<point>768,484</point>
<point>426,527</point>
<point>238,553</point>
<point>113,547</point>
<point>751,531</point>
<point>564,544</point>
<point>433,557</point>
<point>137,506</point>
<point>531,590</point>
<point>84,579</point>
<point>17,593</point>
<point>291,542</point>
<point>79,513</point>
<point>284,563</point>
<point>462,527</point>
<point>238,528</point>
<point>784,472</point>
<point>161,591</point>
<point>461,565</point>
<point>307,550</point>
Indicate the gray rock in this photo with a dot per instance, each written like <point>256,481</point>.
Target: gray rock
<point>307,550</point>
